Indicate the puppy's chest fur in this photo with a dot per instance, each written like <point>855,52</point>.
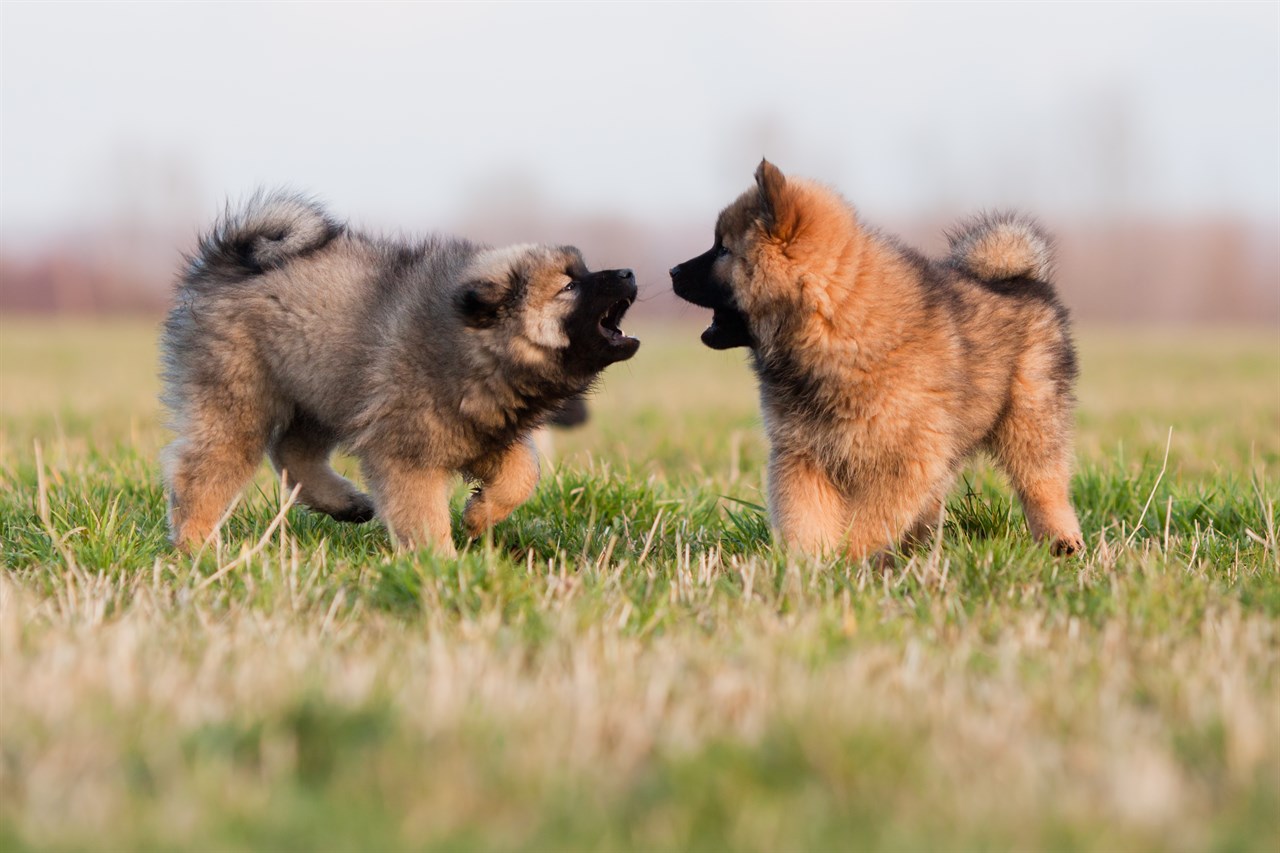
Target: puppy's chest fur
<point>792,392</point>
<point>835,420</point>
<point>496,410</point>
<point>482,417</point>
<point>860,407</point>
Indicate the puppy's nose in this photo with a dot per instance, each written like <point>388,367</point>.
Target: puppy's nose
<point>674,271</point>
<point>626,274</point>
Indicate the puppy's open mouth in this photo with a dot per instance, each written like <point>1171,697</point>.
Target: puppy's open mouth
<point>728,329</point>
<point>610,323</point>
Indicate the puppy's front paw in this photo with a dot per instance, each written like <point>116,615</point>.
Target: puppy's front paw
<point>478,516</point>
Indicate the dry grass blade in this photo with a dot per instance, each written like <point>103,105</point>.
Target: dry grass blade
<point>1142,516</point>
<point>46,516</point>
<point>648,540</point>
<point>262,542</point>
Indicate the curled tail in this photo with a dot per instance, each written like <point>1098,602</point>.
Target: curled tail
<point>1001,246</point>
<point>265,233</point>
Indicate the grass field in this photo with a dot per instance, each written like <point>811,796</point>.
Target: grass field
<point>629,664</point>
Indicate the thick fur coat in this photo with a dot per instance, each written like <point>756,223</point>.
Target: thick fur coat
<point>293,334</point>
<point>881,371</point>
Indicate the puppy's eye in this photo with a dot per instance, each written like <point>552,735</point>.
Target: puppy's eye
<point>724,252</point>
<point>570,287</point>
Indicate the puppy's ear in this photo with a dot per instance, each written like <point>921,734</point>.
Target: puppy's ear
<point>482,301</point>
<point>777,208</point>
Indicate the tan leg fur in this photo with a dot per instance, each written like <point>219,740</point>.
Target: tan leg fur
<point>301,454</point>
<point>414,503</point>
<point>806,509</point>
<point>206,469</point>
<point>1030,447</point>
<point>506,481</point>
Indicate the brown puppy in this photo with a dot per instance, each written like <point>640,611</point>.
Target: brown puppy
<point>293,334</point>
<point>881,371</point>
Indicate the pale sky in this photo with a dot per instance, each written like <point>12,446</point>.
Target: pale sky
<point>408,113</point>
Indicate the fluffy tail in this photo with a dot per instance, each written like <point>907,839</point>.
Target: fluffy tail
<point>265,233</point>
<point>1001,246</point>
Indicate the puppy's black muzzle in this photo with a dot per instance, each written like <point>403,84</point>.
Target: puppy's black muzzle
<point>692,281</point>
<point>596,321</point>
<point>695,281</point>
<point>626,280</point>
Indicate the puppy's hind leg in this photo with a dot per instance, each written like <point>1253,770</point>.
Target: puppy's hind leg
<point>1032,442</point>
<point>506,481</point>
<point>301,453</point>
<point>207,466</point>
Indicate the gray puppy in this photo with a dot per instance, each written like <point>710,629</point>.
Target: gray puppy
<point>293,334</point>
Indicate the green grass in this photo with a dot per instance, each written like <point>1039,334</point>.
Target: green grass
<point>627,663</point>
